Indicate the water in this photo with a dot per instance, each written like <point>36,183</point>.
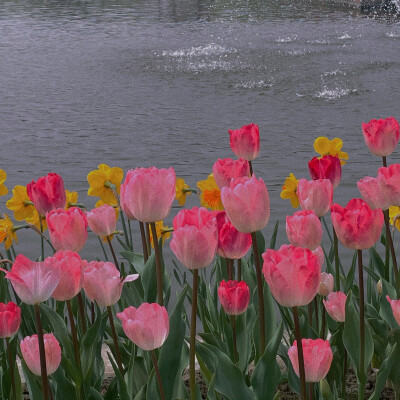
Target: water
<point>141,83</point>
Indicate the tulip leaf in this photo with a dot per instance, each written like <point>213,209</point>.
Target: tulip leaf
<point>95,395</point>
<point>385,309</point>
<point>272,242</point>
<point>350,275</point>
<point>149,279</point>
<point>122,388</point>
<point>64,388</point>
<point>30,380</point>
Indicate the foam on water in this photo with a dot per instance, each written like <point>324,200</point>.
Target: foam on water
<point>333,94</point>
<point>206,50</point>
<point>393,34</point>
<point>344,36</point>
<point>253,85</point>
<point>287,39</point>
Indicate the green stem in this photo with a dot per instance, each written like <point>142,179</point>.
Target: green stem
<point>41,236</point>
<point>113,252</point>
<point>11,362</point>
<point>115,339</point>
<point>229,267</point>
<point>148,244</point>
<point>158,265</point>
<point>233,325</point>
<point>300,354</point>
<point>310,390</point>
<point>239,269</point>
<point>130,234</point>
<point>144,245</point>
<point>192,354</point>
<point>316,312</point>
<point>81,307</point>
<point>337,272</point>
<point>310,312</point>
<point>160,385</point>
<point>392,250</point>
<point>323,323</point>
<point>362,324</point>
<point>102,247</point>
<point>128,243</point>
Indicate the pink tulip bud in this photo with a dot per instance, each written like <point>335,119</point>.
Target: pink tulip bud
<point>319,252</point>
<point>335,305</point>
<point>148,193</point>
<point>372,193</point>
<point>395,304</point>
<point>246,202</point>
<point>381,136</point>
<point>47,193</point>
<point>326,167</point>
<point>356,225</point>
<point>10,319</point>
<point>245,142</point>
<point>147,326</point>
<point>67,228</point>
<point>34,282</point>
<point>227,169</point>
<point>304,229</point>
<point>315,195</point>
<point>30,352</point>
<point>292,264</point>
<point>234,296</point>
<point>326,284</point>
<point>317,358</point>
<point>389,184</point>
<point>102,220</point>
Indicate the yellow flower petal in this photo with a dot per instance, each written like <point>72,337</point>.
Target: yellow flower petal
<point>289,190</point>
<point>162,231</point>
<point>210,196</point>
<point>71,198</point>
<point>3,177</point>
<point>324,146</point>
<point>7,232</point>
<point>180,193</point>
<point>21,204</point>
<point>394,215</point>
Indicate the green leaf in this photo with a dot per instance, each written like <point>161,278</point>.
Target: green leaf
<point>31,383</point>
<point>149,279</point>
<point>272,242</point>
<point>122,388</point>
<point>385,310</point>
<point>94,394</point>
<point>350,275</point>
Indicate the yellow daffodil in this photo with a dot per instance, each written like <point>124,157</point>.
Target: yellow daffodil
<point>100,180</point>
<point>210,196</point>
<point>34,220</point>
<point>3,177</point>
<point>161,230</point>
<point>324,146</point>
<point>394,216</point>
<point>21,204</point>
<point>71,199</point>
<point>181,191</point>
<point>7,232</point>
<point>289,190</point>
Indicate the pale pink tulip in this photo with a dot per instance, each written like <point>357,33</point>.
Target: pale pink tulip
<point>227,169</point>
<point>326,167</point>
<point>326,284</point>
<point>234,296</point>
<point>102,220</point>
<point>335,305</point>
<point>10,319</point>
<point>315,195</point>
<point>319,252</point>
<point>372,193</point>
<point>389,183</point>
<point>245,142</point>
<point>395,304</point>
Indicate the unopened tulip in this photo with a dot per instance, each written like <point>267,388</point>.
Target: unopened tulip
<point>315,195</point>
<point>293,275</point>
<point>326,284</point>
<point>67,228</point>
<point>335,305</point>
<point>395,304</point>
<point>319,252</point>
<point>372,193</point>
<point>381,136</point>
<point>148,193</point>
<point>317,358</point>
<point>389,183</point>
<point>30,352</point>
<point>234,296</point>
<point>10,319</point>
<point>304,229</point>
<point>102,220</point>
<point>356,225</point>
<point>226,169</point>
<point>246,202</point>
<point>245,142</point>
<point>147,326</point>
<point>34,282</point>
<point>47,193</point>
<point>326,167</point>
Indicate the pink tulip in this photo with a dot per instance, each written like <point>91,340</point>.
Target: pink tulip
<point>326,167</point>
<point>34,282</point>
<point>304,229</point>
<point>317,358</point>
<point>10,319</point>
<point>315,195</point>
<point>234,296</point>
<point>67,228</point>
<point>335,305</point>
<point>381,136</point>
<point>293,275</point>
<point>147,326</point>
<point>372,193</point>
<point>326,284</point>
<point>231,243</point>
<point>148,193</point>
<point>389,183</point>
<point>103,284</point>
<point>71,280</point>
<point>102,220</point>
<point>245,142</point>
<point>30,352</point>
<point>395,304</point>
<point>195,237</point>
<point>226,169</point>
<point>246,202</point>
<point>319,252</point>
<point>356,225</point>
<point>47,193</point>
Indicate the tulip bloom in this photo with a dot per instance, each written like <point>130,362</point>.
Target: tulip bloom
<point>102,220</point>
<point>389,184</point>
<point>67,228</point>
<point>372,193</point>
<point>147,326</point>
<point>315,195</point>
<point>30,352</point>
<point>319,252</point>
<point>357,226</point>
<point>195,237</point>
<point>381,136</point>
<point>246,202</point>
<point>326,284</point>
<point>317,358</point>
<point>103,284</point>
<point>226,169</point>
<point>34,282</point>
<point>10,319</point>
<point>234,296</point>
<point>326,167</point>
<point>245,142</point>
<point>395,304</point>
<point>148,193</point>
<point>335,305</point>
<point>304,229</point>
<point>47,193</point>
<point>293,275</point>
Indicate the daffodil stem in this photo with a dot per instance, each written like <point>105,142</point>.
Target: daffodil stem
<point>392,250</point>
<point>336,250</point>
<point>41,236</point>
<point>362,323</point>
<point>192,353</point>
<point>39,232</point>
<point>113,252</point>
<point>239,269</point>
<point>115,339</point>
<point>158,265</point>
<point>144,245</point>
<point>157,371</point>
<point>11,362</point>
<point>81,307</point>
<point>300,353</point>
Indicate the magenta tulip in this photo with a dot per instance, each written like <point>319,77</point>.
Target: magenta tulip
<point>326,167</point>
<point>227,169</point>
<point>389,183</point>
<point>335,305</point>
<point>395,304</point>
<point>315,195</point>
<point>326,284</point>
<point>234,296</point>
<point>372,193</point>
<point>10,319</point>
<point>245,142</point>
<point>102,220</point>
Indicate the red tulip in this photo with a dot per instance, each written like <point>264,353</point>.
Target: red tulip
<point>326,167</point>
<point>381,136</point>
<point>315,195</point>
<point>372,193</point>
<point>395,304</point>
<point>30,352</point>
<point>335,305</point>
<point>147,326</point>
<point>317,358</point>
<point>234,296</point>
<point>326,284</point>
<point>245,142</point>
<point>47,193</point>
<point>389,184</point>
<point>10,319</point>
<point>67,228</point>
<point>102,220</point>
<point>293,275</point>
<point>227,169</point>
<point>356,225</point>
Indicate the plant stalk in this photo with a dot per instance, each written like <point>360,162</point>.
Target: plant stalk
<point>81,307</point>
<point>113,252</point>
<point>392,250</point>
<point>233,325</point>
<point>115,339</point>
<point>193,336</point>
<point>144,245</point>
<point>158,265</point>
<point>362,322</point>
<point>337,272</point>
<point>11,362</point>
<point>160,385</point>
<point>300,353</point>
<point>239,269</point>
